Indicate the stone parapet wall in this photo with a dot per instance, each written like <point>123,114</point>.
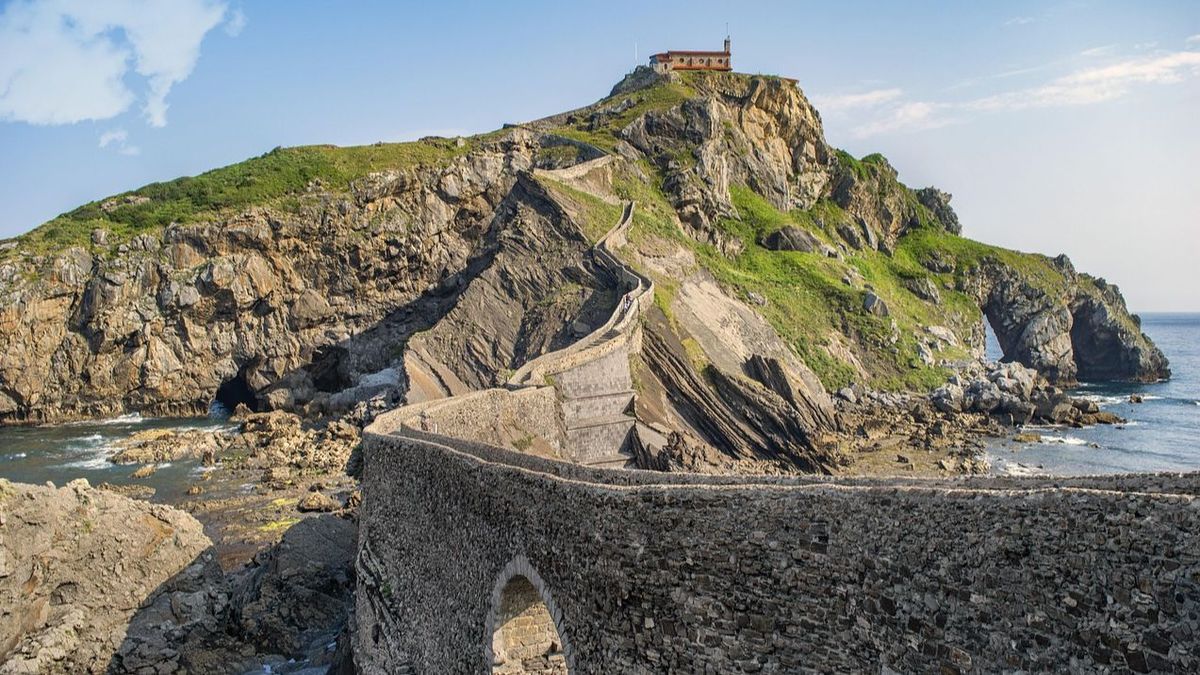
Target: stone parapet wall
<point>619,333</point>
<point>484,416</point>
<point>656,572</point>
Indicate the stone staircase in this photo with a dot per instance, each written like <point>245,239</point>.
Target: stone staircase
<point>595,399</point>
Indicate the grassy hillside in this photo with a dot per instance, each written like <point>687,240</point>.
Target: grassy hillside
<point>263,180</point>
<point>810,298</point>
<point>807,297</point>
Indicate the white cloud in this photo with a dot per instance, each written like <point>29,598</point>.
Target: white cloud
<point>1019,21</point>
<point>1195,39</point>
<point>866,99</point>
<point>236,23</point>
<point>1098,84</point>
<point>1097,51</point>
<point>113,136</point>
<point>66,61</point>
<point>911,116</point>
<point>1087,86</point>
<point>117,138</point>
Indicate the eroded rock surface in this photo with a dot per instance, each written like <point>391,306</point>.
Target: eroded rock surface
<point>76,564</point>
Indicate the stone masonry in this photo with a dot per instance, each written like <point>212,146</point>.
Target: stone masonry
<point>650,572</point>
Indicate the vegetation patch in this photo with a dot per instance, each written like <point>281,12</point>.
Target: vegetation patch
<point>276,177</point>
<point>593,214</point>
<point>611,115</point>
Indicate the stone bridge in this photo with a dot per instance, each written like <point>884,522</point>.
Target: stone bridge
<point>479,559</point>
<point>475,559</point>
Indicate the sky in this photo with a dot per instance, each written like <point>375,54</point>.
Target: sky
<point>1069,126</point>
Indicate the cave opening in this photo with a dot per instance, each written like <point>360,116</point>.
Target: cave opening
<point>328,369</point>
<point>234,391</point>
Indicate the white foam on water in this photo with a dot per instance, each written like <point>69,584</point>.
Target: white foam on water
<point>131,418</point>
<point>1063,440</point>
<point>1151,397</point>
<point>16,455</point>
<point>127,419</point>
<point>1018,469</point>
<point>95,463</point>
<point>1100,399</point>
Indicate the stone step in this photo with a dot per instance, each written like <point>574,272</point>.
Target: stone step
<point>600,405</point>
<point>651,437</point>
<point>599,421</point>
<point>617,461</point>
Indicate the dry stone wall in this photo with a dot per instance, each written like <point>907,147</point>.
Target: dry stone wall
<point>650,572</point>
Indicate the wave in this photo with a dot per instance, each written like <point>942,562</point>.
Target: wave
<point>15,455</point>
<point>1105,399</point>
<point>126,419</point>
<point>93,463</point>
<point>131,418</point>
<point>1063,440</point>
<point>1018,469</point>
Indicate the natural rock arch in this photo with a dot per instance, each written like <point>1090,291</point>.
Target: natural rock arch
<point>524,625</point>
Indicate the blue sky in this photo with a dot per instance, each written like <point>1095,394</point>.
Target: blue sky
<point>1059,126</point>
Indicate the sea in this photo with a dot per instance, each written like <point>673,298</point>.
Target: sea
<point>1162,434</point>
<point>63,452</point>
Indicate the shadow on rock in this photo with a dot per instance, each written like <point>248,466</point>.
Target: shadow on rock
<point>284,611</point>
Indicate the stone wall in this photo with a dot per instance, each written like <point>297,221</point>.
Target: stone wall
<point>491,414</point>
<point>647,572</point>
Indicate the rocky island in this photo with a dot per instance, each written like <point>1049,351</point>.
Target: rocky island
<point>499,380</point>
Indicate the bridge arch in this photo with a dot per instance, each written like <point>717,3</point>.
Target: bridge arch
<point>524,625</point>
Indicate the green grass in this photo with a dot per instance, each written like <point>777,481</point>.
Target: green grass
<point>276,177</point>
<point>806,298</point>
<point>605,133</point>
<point>926,243</point>
<point>595,215</point>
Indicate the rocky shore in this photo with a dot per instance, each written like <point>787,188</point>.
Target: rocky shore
<point>252,569</point>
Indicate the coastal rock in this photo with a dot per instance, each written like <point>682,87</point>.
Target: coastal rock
<point>300,589</point>
<point>1083,331</point>
<point>79,562</point>
<point>938,203</point>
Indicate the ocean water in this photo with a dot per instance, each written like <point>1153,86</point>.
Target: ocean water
<point>1163,433</point>
<point>64,452</point>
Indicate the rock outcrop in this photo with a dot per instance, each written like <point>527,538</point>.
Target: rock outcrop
<point>285,307</point>
<point>435,277</point>
<point>1069,328</point>
<point>76,564</point>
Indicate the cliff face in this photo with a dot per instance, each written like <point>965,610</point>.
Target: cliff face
<point>384,278</point>
<point>285,305</point>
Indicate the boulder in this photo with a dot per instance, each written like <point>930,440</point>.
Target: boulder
<point>948,398</point>
<point>791,238</point>
<point>874,304</point>
<point>318,502</point>
<point>982,396</point>
<point>925,289</point>
<point>300,589</point>
<point>76,563</point>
